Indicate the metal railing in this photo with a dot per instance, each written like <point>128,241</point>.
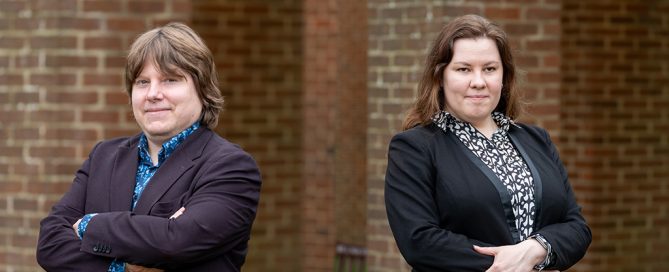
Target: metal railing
<point>350,258</point>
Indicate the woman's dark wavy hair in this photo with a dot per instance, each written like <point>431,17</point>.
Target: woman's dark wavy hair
<point>431,98</point>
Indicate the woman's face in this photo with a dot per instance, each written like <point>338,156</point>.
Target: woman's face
<point>473,80</point>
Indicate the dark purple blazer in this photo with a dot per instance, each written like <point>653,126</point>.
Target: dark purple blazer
<point>215,180</point>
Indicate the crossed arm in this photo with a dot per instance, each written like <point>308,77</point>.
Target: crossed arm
<point>414,218</point>
<point>132,267</point>
<point>219,215</point>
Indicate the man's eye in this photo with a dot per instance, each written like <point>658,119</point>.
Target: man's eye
<point>141,82</point>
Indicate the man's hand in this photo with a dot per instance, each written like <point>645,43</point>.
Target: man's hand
<point>519,257</point>
<point>178,213</point>
<point>75,226</point>
<point>137,268</point>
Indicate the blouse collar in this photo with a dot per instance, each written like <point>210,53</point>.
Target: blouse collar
<point>446,121</point>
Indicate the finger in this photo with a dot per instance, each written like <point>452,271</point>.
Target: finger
<point>75,226</point>
<point>486,250</point>
<point>178,213</point>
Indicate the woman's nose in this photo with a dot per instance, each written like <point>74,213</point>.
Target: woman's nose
<point>477,81</point>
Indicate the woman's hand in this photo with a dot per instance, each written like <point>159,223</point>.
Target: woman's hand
<point>519,257</point>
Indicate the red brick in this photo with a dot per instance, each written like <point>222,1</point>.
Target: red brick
<point>102,6</point>
<point>109,117</point>
<point>71,61</point>
<point>125,24</point>
<point>26,98</point>
<point>12,116</point>
<point>71,134</point>
<point>12,7</point>
<point>48,188</point>
<point>62,168</point>
<point>24,241</point>
<point>53,42</point>
<point>51,79</point>
<point>51,152</point>
<point>11,43</point>
<point>182,6</point>
<point>498,13</point>
<point>543,13</point>
<point>114,80</point>
<point>26,61</point>
<point>51,116</point>
<point>79,98</point>
<point>107,43</point>
<point>26,134</point>
<point>64,5</point>
<point>26,23</point>
<point>11,79</point>
<point>11,222</point>
<point>147,6</point>
<point>117,98</point>
<point>24,204</point>
<point>10,187</point>
<point>72,23</point>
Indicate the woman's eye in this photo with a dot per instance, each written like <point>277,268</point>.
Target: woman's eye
<point>462,69</point>
<point>171,80</point>
<point>490,69</point>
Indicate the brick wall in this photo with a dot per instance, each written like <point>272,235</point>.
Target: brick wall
<point>351,129</point>
<point>320,93</point>
<point>61,66</point>
<point>258,51</point>
<point>293,73</point>
<point>400,33</point>
<point>615,119</point>
<point>334,136</point>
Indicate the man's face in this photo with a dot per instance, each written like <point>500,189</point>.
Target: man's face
<point>164,105</point>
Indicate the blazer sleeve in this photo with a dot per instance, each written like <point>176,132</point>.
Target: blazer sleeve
<point>218,217</point>
<point>413,215</point>
<point>570,238</point>
<point>58,245</point>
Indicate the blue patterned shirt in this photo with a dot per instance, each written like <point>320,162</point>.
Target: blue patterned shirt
<point>145,170</point>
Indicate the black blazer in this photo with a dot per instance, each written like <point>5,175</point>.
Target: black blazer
<point>216,181</point>
<point>441,200</point>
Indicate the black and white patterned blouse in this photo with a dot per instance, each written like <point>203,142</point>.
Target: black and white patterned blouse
<point>502,158</point>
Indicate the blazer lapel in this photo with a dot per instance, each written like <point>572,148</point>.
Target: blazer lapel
<point>172,169</point>
<point>504,195</point>
<point>538,188</point>
<point>122,181</point>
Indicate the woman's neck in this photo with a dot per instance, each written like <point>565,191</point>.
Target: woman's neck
<point>486,126</point>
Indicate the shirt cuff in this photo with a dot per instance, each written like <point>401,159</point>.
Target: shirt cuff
<point>81,229</point>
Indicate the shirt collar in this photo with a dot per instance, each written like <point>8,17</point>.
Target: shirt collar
<point>167,148</point>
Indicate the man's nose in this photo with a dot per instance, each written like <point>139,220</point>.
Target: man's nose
<point>155,91</point>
